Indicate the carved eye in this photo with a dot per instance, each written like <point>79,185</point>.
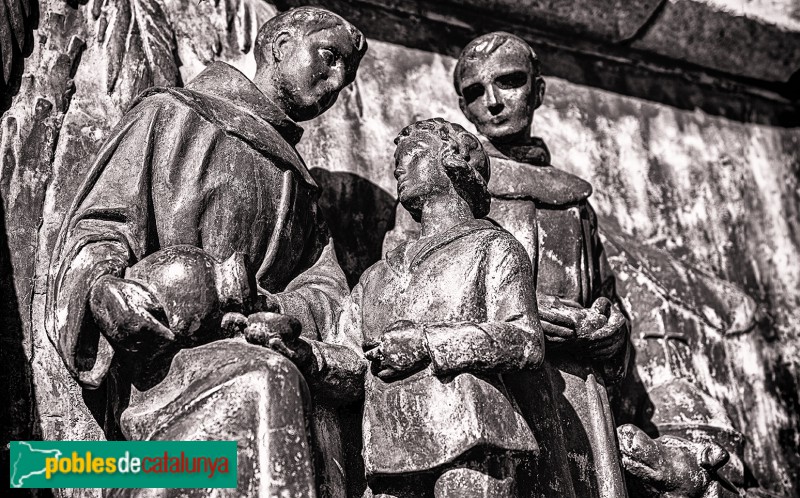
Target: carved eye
<point>511,80</point>
<point>328,55</point>
<point>472,92</point>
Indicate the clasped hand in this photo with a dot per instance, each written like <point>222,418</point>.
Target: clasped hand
<point>281,333</point>
<point>128,315</point>
<point>133,320</point>
<point>598,330</point>
<point>399,351</point>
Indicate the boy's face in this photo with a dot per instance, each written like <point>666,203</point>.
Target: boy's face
<point>499,93</point>
<point>418,169</point>
<point>314,68</point>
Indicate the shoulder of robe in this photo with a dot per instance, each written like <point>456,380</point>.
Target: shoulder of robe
<point>233,120</point>
<point>546,185</point>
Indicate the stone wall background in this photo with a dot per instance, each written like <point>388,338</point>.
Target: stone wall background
<point>716,194</point>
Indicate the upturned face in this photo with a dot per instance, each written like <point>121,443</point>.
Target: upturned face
<point>418,170</point>
<point>314,68</point>
<point>499,93</point>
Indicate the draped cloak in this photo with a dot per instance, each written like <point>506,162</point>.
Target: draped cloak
<point>212,165</point>
<point>547,209</point>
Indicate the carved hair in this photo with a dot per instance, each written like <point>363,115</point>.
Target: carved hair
<point>463,158</point>
<point>304,21</point>
<point>485,45</point>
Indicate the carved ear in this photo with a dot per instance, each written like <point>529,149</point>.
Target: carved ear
<point>539,87</point>
<point>451,161</point>
<point>278,45</point>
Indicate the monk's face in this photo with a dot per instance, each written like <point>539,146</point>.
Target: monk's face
<point>418,170</point>
<point>314,68</point>
<point>499,93</point>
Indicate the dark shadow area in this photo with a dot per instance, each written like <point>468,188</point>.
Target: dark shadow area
<point>18,411</point>
<point>613,67</point>
<point>107,402</point>
<point>630,402</point>
<point>784,382</point>
<point>18,25</point>
<point>359,213</point>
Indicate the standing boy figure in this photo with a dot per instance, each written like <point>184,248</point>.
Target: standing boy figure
<point>499,84</point>
<point>447,322</point>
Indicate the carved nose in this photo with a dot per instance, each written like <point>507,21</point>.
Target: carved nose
<point>494,106</point>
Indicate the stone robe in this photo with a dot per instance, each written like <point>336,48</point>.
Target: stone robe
<point>470,289</point>
<point>548,209</point>
<point>212,165</point>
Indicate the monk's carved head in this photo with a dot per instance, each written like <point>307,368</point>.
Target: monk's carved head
<point>305,56</point>
<point>499,84</point>
<point>436,157</point>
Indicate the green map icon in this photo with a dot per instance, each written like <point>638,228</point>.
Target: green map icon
<point>29,461</point>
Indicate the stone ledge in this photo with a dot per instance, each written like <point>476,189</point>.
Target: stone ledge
<point>707,34</point>
<point>608,56</point>
<point>742,39</point>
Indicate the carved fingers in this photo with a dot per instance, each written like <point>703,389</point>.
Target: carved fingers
<point>399,351</point>
<point>281,333</point>
<point>128,314</point>
<point>559,320</point>
<point>607,340</point>
<point>598,330</point>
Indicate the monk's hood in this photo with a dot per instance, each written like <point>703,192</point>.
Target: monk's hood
<point>224,96</point>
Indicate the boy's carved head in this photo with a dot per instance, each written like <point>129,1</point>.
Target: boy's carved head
<point>499,84</point>
<point>434,157</point>
<point>304,57</point>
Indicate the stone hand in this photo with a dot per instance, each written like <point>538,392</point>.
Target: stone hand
<point>400,350</point>
<point>670,466</point>
<point>128,315</point>
<point>561,320</point>
<point>281,333</point>
<point>599,329</point>
<point>605,341</point>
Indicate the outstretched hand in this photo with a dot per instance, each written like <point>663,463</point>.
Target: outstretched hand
<point>599,329</point>
<point>281,333</point>
<point>128,315</point>
<point>605,341</point>
<point>400,350</point>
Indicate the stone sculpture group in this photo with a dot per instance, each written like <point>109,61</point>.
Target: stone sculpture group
<point>195,271</point>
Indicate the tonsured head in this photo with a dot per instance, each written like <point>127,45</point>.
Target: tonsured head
<point>498,80</point>
<point>304,57</point>
<point>434,157</point>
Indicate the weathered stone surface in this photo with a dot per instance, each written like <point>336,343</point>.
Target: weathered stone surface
<point>448,324</point>
<point>672,467</point>
<point>715,193</point>
<point>714,36</point>
<point>609,20</point>
<point>44,159</point>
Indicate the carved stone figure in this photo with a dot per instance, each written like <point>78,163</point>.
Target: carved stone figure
<point>498,81</point>
<point>211,165</point>
<point>449,325</point>
<point>673,467</point>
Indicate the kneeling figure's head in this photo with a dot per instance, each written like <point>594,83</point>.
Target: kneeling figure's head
<point>438,158</point>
